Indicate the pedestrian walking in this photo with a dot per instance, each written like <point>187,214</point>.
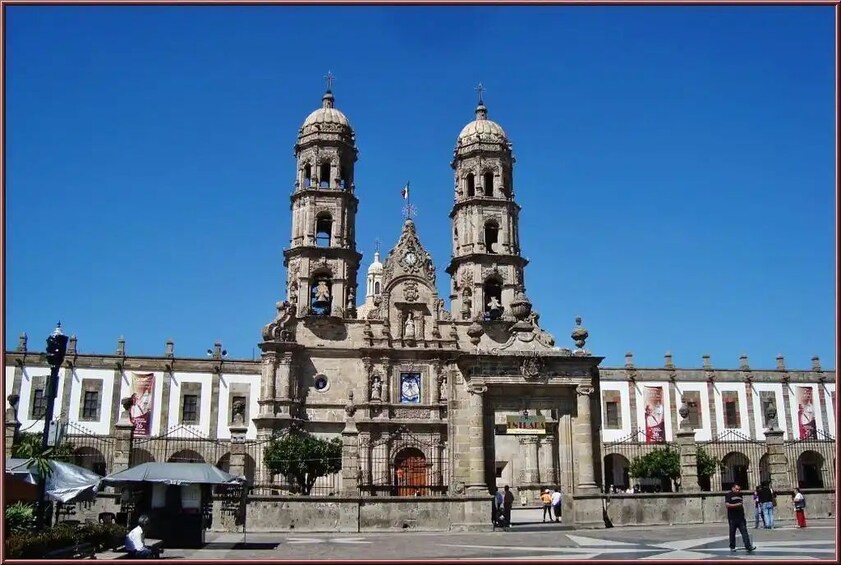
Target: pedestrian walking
<point>546,499</point>
<point>734,502</point>
<point>556,504</point>
<point>799,508</point>
<point>497,513</point>
<point>767,502</point>
<point>757,510</point>
<point>507,504</point>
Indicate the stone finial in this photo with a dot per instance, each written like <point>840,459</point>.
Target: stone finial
<point>743,362</point>
<point>350,407</point>
<point>22,343</point>
<point>629,360</point>
<point>771,416</point>
<point>72,345</point>
<point>684,413</point>
<point>669,361</point>
<point>121,346</point>
<point>579,334</point>
<point>816,364</point>
<point>238,411</point>
<point>707,363</point>
<point>781,362</point>
<point>12,410</point>
<point>475,332</point>
<point>169,350</point>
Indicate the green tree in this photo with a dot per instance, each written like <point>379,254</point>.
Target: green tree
<point>707,464</point>
<point>661,463</point>
<point>302,458</point>
<point>29,447</point>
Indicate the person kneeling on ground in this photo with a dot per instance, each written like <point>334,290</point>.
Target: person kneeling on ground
<point>136,541</point>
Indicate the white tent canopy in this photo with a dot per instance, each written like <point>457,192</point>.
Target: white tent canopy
<point>66,482</point>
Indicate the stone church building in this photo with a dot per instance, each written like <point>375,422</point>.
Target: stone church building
<point>432,402</point>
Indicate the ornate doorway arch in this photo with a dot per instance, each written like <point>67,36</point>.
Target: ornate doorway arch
<point>411,470</point>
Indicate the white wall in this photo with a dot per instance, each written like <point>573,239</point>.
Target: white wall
<point>830,413</point>
<point>103,425</point>
<point>792,398</point>
<point>125,391</point>
<point>28,425</point>
<point>222,430</point>
<point>203,427</point>
<point>777,389</point>
<point>668,405</point>
<point>10,382</point>
<point>703,433</point>
<point>720,387</point>
<point>625,409</point>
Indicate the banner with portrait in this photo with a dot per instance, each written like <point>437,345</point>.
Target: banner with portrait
<point>655,413</point>
<point>805,412</point>
<point>142,400</point>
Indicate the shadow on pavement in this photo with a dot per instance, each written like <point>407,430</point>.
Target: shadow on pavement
<point>240,545</point>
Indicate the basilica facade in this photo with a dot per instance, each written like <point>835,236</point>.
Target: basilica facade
<point>445,397</point>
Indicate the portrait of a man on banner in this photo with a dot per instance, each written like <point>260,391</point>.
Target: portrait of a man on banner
<point>142,399</point>
<point>655,422</point>
<point>806,413</point>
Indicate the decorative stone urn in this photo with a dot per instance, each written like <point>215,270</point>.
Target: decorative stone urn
<point>520,306</point>
<point>475,332</point>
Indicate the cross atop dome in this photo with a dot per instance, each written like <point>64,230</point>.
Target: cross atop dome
<point>329,78</point>
<point>480,89</point>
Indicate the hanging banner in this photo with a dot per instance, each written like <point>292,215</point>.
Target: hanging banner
<point>526,425</point>
<point>142,398</point>
<point>655,424</point>
<point>806,412</point>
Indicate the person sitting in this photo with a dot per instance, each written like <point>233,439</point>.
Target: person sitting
<point>136,541</point>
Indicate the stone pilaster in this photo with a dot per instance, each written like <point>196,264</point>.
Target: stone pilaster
<point>631,374</point>
<point>777,460</point>
<point>546,463</point>
<point>786,421</point>
<point>267,383</point>
<point>529,455</point>
<point>688,459</point>
<point>711,410</point>
<point>350,459</point>
<point>476,474</point>
<point>584,440</point>
<point>237,464</point>
<point>283,377</point>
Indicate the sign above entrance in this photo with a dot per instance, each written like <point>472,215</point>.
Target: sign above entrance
<point>526,425</point>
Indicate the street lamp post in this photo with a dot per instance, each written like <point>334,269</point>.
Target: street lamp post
<point>56,348</point>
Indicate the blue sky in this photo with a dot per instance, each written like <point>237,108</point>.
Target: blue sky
<point>674,165</point>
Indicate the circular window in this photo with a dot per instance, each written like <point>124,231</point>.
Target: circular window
<point>321,383</point>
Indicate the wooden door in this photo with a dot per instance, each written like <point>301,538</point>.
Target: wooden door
<point>411,472</point>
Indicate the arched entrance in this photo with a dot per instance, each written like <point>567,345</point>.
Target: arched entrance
<point>186,456</point>
<point>734,470</point>
<point>810,470</point>
<point>411,471</point>
<point>91,459</point>
<point>616,471</point>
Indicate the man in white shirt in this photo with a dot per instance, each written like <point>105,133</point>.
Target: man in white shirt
<point>556,504</point>
<point>136,541</point>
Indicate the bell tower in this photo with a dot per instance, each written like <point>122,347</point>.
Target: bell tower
<point>322,261</point>
<point>486,268</point>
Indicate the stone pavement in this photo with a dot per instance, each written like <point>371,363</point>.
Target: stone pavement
<point>547,542</point>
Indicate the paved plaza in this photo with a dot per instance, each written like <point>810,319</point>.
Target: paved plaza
<point>530,542</point>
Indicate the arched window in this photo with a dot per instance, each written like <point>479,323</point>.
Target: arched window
<point>493,299</point>
<point>324,175</point>
<point>377,287</point>
<point>307,175</point>
<point>489,184</point>
<point>491,236</point>
<point>471,185</point>
<point>323,230</point>
<point>321,295</point>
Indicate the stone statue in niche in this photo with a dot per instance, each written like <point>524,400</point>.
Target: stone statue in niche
<point>126,403</point>
<point>322,292</point>
<point>409,329</point>
<point>351,298</point>
<point>771,416</point>
<point>238,410</point>
<point>293,292</point>
<point>12,410</point>
<point>443,390</point>
<point>466,304</point>
<point>494,307</point>
<point>376,388</point>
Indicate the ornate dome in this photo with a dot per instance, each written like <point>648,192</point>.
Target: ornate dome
<point>376,267</point>
<point>326,119</point>
<point>482,129</point>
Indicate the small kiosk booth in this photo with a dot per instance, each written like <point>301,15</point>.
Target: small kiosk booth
<point>177,497</point>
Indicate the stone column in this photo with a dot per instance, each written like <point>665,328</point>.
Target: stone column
<point>777,460</point>
<point>435,384</point>
<point>631,374</point>
<point>12,424</point>
<point>283,375</point>
<point>475,403</point>
<point>584,440</point>
<point>546,465</point>
<point>786,422</point>
<point>711,411</point>
<point>123,432</point>
<point>688,453</point>
<point>267,382</point>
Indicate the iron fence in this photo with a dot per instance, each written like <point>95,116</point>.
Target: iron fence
<point>741,460</point>
<point>264,482</point>
<point>811,460</point>
<point>402,464</point>
<point>618,457</point>
<point>178,444</point>
<point>91,451</point>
